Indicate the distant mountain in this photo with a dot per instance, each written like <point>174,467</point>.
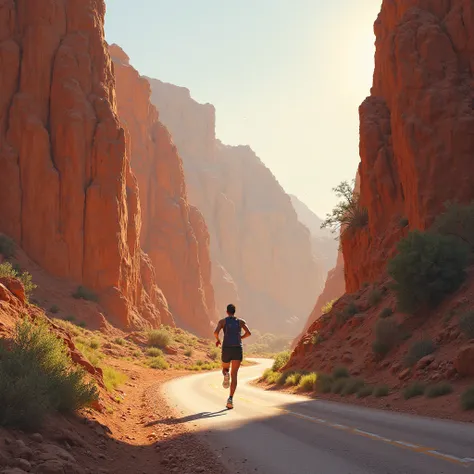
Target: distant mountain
<point>323,242</point>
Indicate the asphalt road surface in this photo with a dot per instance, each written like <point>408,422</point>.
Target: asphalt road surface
<point>277,433</point>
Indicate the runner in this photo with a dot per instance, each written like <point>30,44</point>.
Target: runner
<point>232,352</point>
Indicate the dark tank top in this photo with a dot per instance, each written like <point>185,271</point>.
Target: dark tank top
<point>232,332</point>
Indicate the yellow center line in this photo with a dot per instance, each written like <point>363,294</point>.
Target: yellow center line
<point>399,444</point>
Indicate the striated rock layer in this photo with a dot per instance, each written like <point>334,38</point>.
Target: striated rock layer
<point>174,234</point>
<point>67,194</point>
<point>261,254</point>
<point>416,140</point>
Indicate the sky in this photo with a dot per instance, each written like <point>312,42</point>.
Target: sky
<point>286,76</point>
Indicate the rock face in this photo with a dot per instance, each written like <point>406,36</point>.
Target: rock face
<point>67,195</point>
<point>324,245</point>
<point>173,234</point>
<point>416,140</point>
<point>261,254</point>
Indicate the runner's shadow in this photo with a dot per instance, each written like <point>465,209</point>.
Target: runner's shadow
<point>186,419</point>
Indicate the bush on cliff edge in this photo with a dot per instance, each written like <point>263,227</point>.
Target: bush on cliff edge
<point>428,266</point>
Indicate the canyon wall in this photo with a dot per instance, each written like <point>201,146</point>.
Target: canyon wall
<point>67,194</point>
<point>261,254</point>
<point>173,234</point>
<point>416,128</point>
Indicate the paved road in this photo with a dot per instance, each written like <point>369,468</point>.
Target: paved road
<point>278,433</point>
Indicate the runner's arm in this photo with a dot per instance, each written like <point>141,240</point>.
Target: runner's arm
<point>219,326</point>
<point>244,326</point>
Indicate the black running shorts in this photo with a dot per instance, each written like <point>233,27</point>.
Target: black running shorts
<point>232,353</point>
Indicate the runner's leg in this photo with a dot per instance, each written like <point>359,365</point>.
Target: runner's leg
<point>234,371</point>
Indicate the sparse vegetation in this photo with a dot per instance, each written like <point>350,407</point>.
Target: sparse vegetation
<point>7,246</point>
<point>387,335</point>
<point>457,220</point>
<point>85,294</point>
<point>415,389</point>
<point>340,372</point>
<point>307,382</point>
<point>270,376</point>
<point>365,391</point>
<point>352,385</point>
<point>348,215</point>
<point>438,390</point>
<point>386,313</point>
<point>418,350</point>
<point>113,378</point>
<point>338,385</point>
<point>466,324</point>
<point>54,309</point>
<point>119,341</point>
<point>214,353</point>
<point>328,306</point>
<point>154,352</point>
<point>159,363</point>
<point>292,379</point>
<point>316,338</point>
<point>82,324</point>
<point>159,338</point>
<point>381,391</point>
<point>38,378</point>
<point>188,352</point>
<point>281,360</point>
<point>427,267</point>
<point>350,310</point>
<point>94,344</point>
<point>323,383</point>
<point>375,296</point>
<point>467,399</point>
<point>267,344</point>
<point>7,270</point>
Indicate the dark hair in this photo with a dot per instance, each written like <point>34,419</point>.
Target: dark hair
<point>230,309</point>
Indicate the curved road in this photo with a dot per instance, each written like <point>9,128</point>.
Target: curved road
<point>279,433</point>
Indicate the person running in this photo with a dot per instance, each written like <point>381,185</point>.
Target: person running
<point>232,352</point>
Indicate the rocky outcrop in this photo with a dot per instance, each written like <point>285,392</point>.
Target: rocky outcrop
<point>261,254</point>
<point>67,195</point>
<point>416,140</point>
<point>324,245</point>
<point>173,233</point>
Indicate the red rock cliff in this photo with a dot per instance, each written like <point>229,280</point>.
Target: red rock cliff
<point>174,234</point>
<point>416,140</point>
<point>67,195</point>
<point>261,254</point>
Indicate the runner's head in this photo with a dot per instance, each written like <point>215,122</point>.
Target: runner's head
<point>230,309</point>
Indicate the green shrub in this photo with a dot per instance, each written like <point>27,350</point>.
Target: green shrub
<point>270,376</point>
<point>386,313</point>
<point>427,267</point>
<point>418,350</point>
<point>154,352</point>
<point>414,390</point>
<point>381,391</point>
<point>54,309</point>
<point>159,363</point>
<point>467,399</point>
<point>438,390</point>
<point>466,324</point>
<point>387,335</point>
<point>457,220</point>
<point>281,360</point>
<point>316,339</point>
<point>340,372</point>
<point>38,377</point>
<point>7,246</point>
<point>94,344</point>
<point>113,378</point>
<point>187,352</point>
<point>83,293</point>
<point>159,338</point>
<point>71,318</point>
<point>348,215</point>
<point>323,383</point>
<point>214,353</point>
<point>338,385</point>
<point>307,382</point>
<point>375,297</point>
<point>7,271</point>
<point>82,324</point>
<point>364,391</point>
<point>353,385</point>
<point>293,379</point>
<point>328,306</point>
<point>119,341</point>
